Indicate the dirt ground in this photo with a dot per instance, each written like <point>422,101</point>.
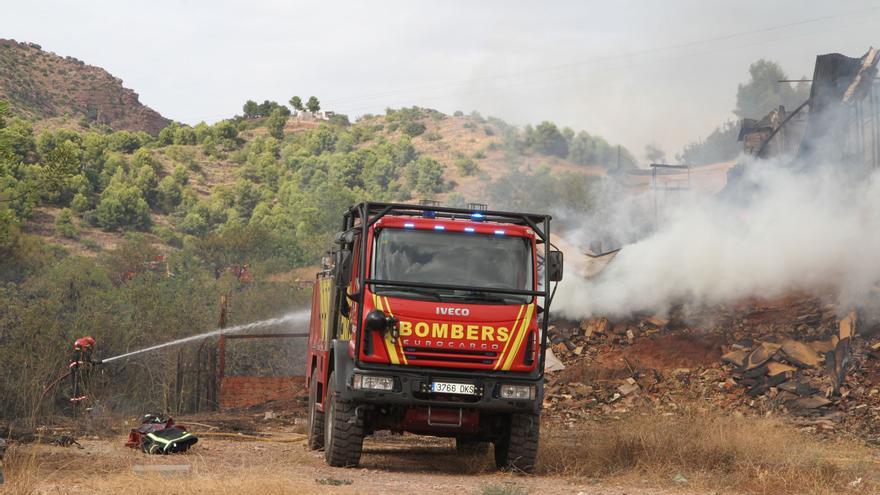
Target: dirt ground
<point>282,464</point>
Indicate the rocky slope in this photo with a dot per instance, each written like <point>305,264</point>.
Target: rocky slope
<point>41,85</point>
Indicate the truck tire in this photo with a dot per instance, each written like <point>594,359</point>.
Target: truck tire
<point>343,429</point>
<point>316,417</point>
<point>467,446</point>
<point>517,447</point>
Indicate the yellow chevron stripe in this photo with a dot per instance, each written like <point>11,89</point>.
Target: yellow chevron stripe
<point>508,361</point>
<point>398,346</point>
<point>509,338</point>
<point>389,347</point>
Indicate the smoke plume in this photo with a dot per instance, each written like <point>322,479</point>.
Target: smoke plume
<point>792,230</point>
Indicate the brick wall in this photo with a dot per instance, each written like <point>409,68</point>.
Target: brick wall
<point>238,392</point>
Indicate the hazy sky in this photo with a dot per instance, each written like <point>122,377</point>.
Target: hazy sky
<point>633,71</point>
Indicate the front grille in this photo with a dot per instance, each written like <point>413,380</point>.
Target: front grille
<point>450,355</point>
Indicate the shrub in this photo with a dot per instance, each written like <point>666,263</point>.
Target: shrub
<point>466,166</point>
<point>180,175</point>
<point>168,236</point>
<point>64,224</point>
<point>80,203</point>
<point>340,119</point>
<point>413,129</point>
<point>432,136</point>
<point>91,245</point>
<point>479,155</point>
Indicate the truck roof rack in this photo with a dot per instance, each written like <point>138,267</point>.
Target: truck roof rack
<point>370,213</point>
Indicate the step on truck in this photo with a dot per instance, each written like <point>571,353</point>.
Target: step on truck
<point>432,321</point>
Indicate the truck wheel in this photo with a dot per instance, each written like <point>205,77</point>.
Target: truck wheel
<point>517,447</point>
<point>316,417</point>
<point>343,430</point>
<point>467,446</point>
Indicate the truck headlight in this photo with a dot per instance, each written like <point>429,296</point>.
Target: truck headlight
<point>371,382</point>
<point>521,392</point>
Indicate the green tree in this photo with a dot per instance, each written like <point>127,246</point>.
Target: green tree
<point>425,175</point>
<point>169,194</point>
<point>143,158</point>
<point>296,103</point>
<point>194,224</point>
<point>166,135</point>
<point>17,138</point>
<point>64,224</point>
<point>251,109</point>
<point>185,135</point>
<point>763,92</point>
<point>547,140</point>
<point>275,122</point>
<point>122,206</point>
<point>124,141</point>
<point>80,203</point>
<point>313,104</point>
<point>247,195</point>
<point>148,184</point>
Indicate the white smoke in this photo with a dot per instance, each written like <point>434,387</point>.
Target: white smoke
<point>810,232</point>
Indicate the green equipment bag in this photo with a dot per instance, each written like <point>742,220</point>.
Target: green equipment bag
<point>167,441</point>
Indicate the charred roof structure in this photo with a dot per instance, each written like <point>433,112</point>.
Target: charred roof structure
<point>842,124</point>
<point>839,123</point>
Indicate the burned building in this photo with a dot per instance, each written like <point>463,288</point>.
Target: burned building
<point>839,123</point>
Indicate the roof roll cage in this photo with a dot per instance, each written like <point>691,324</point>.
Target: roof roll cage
<point>373,212</point>
<point>364,215</point>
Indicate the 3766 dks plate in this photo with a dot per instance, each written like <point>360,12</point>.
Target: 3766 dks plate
<point>454,388</point>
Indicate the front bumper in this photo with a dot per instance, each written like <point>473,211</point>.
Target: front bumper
<point>411,388</point>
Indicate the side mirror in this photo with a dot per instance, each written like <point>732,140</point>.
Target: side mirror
<point>554,266</point>
<point>345,237</point>
<point>342,268</point>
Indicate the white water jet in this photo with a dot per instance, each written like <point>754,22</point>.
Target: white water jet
<point>301,316</point>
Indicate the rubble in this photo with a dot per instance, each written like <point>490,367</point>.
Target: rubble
<point>794,357</point>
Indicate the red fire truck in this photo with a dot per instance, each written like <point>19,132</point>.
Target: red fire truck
<point>432,320</point>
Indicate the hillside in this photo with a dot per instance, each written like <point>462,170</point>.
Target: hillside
<point>74,175</point>
<point>42,85</point>
<point>199,181</point>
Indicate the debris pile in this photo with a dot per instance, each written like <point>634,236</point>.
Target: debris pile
<point>793,357</point>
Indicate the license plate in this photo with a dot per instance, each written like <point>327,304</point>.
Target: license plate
<point>454,388</point>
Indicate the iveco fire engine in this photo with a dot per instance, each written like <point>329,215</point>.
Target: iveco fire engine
<point>433,321</point>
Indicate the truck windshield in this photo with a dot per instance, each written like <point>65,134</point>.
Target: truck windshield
<point>476,261</point>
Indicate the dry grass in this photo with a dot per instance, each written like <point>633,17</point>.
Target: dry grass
<point>751,455</point>
<point>21,472</point>
<point>713,453</point>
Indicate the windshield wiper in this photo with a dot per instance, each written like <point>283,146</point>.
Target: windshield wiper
<point>411,290</point>
<point>482,296</point>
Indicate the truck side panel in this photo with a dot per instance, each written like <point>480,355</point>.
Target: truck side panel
<point>322,332</point>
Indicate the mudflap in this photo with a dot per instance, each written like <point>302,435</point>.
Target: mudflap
<point>343,365</point>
